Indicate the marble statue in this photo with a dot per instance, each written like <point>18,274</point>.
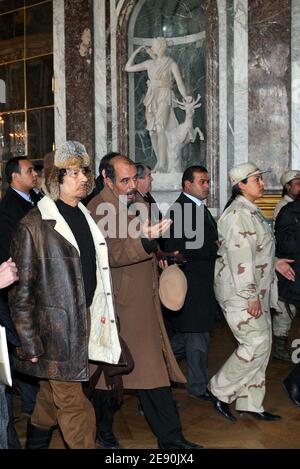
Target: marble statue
<point>159,100</point>
<point>185,133</point>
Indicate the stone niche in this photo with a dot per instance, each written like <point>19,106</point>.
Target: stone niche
<point>192,27</point>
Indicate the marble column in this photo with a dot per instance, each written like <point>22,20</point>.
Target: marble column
<point>59,71</point>
<point>100,73</point>
<point>269,26</point>
<point>223,169</point>
<point>79,72</point>
<point>295,88</point>
<point>237,29</point>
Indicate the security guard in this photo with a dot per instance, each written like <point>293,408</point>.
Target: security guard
<point>245,286</point>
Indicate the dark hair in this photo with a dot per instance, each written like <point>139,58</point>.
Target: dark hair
<point>110,170</point>
<point>38,168</point>
<point>104,163</point>
<point>236,190</point>
<point>284,191</point>
<point>61,173</point>
<point>141,168</point>
<point>188,174</point>
<point>12,166</point>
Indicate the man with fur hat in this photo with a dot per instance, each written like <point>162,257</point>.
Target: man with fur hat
<point>285,313</point>
<point>62,305</point>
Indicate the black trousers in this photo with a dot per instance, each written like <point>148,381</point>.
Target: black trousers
<point>159,410</point>
<point>161,413</point>
<point>294,375</point>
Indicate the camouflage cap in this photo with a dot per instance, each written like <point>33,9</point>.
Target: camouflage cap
<point>289,176</point>
<point>244,170</point>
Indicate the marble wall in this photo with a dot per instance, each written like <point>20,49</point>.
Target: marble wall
<point>79,72</point>
<point>252,75</point>
<point>270,86</point>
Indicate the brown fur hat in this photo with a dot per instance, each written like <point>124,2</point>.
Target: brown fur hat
<point>69,154</point>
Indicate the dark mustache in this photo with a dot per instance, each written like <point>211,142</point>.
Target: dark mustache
<point>133,192</point>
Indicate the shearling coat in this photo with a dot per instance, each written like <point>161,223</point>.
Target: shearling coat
<point>48,303</point>
<point>135,282</point>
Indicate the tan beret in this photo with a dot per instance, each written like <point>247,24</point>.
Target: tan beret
<point>172,288</point>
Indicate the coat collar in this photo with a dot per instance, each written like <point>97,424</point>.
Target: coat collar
<point>250,205</point>
<point>49,211</point>
<point>108,196</point>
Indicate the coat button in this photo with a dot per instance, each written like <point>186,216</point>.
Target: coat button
<point>105,268</point>
<point>101,244</point>
<point>112,321</point>
<point>108,294</point>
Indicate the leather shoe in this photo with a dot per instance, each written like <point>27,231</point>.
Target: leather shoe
<point>203,397</point>
<point>261,415</point>
<point>179,444</point>
<point>221,407</point>
<point>293,391</point>
<point>107,440</point>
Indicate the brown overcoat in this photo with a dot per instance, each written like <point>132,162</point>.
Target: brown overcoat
<point>135,284</point>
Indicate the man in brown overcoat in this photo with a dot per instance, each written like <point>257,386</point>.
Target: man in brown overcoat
<point>135,283</point>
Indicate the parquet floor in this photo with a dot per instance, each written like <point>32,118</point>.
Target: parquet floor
<point>200,421</point>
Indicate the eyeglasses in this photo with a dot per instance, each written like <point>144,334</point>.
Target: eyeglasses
<point>74,172</point>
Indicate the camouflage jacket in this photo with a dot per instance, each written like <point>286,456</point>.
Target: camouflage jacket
<point>246,266</point>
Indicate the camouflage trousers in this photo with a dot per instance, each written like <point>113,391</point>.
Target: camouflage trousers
<point>282,321</point>
<point>242,377</point>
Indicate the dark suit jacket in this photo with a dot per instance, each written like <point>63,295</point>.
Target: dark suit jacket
<point>199,309</point>
<point>12,208</point>
<point>287,233</point>
<point>156,214</point>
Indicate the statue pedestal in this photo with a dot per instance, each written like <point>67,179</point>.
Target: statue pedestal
<point>166,187</point>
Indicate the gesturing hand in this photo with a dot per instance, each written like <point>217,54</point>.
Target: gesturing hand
<point>284,268</point>
<point>156,231</point>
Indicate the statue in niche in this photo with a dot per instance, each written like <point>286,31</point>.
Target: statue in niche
<point>185,132</point>
<point>159,102</point>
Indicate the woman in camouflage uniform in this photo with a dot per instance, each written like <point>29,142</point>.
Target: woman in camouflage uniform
<point>245,286</point>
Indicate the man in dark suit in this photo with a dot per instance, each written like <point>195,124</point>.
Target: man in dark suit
<point>16,203</point>
<point>99,181</point>
<point>194,321</point>
<point>21,177</point>
<point>144,187</point>
<point>287,234</point>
